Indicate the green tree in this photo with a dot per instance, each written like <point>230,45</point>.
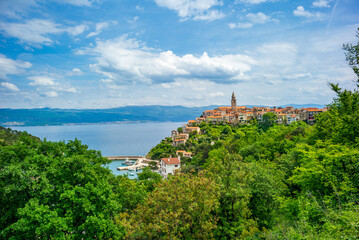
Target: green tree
<point>235,218</point>
<point>149,179</point>
<point>183,207</point>
<point>57,190</point>
<point>352,56</point>
<point>268,119</point>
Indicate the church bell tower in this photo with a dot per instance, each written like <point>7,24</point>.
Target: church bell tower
<point>233,103</point>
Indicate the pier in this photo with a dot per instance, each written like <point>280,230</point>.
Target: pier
<point>140,163</point>
<point>124,157</point>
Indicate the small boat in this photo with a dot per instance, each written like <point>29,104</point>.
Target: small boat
<point>128,162</point>
<point>132,174</point>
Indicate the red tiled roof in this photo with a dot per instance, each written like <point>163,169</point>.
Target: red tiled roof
<point>171,160</point>
<point>177,140</point>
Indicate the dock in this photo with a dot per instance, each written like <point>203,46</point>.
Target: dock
<point>140,163</point>
<point>124,157</point>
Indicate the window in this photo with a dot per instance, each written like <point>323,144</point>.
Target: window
<point>176,165</point>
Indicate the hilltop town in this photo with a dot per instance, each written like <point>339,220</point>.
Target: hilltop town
<point>242,115</point>
<point>231,115</point>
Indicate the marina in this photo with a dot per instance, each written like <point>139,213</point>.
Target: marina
<point>120,165</point>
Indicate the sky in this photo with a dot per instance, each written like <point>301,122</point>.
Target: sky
<point>110,53</point>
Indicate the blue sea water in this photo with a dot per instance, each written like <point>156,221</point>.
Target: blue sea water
<point>132,139</point>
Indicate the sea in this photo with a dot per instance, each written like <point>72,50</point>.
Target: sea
<point>129,139</point>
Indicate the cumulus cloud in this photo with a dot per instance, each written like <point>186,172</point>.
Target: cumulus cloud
<point>301,12</point>
<point>10,86</point>
<point>321,3</point>
<point>11,67</point>
<point>128,60</point>
<point>253,18</point>
<point>101,26</point>
<point>193,9</point>
<point>38,31</point>
<point>41,81</point>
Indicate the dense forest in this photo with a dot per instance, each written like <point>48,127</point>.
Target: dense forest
<point>253,181</point>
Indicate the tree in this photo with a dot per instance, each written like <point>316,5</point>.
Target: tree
<point>352,56</point>
<point>269,119</point>
<point>180,130</point>
<point>183,207</point>
<point>57,190</point>
<point>149,179</point>
<point>235,219</point>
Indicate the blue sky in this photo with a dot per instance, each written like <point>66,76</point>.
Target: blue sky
<point>112,53</point>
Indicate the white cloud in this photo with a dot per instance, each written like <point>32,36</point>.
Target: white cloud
<point>50,94</point>
<point>16,8</point>
<point>133,20</point>
<point>76,71</point>
<point>253,18</point>
<point>301,12</point>
<point>41,81</point>
<point>241,25</point>
<point>9,86</point>
<point>251,1</point>
<point>66,89</point>
<point>321,3</point>
<point>10,67</point>
<point>210,15</point>
<point>79,3</point>
<point>77,29</point>
<point>48,87</point>
<point>38,31</point>
<point>193,9</point>
<point>258,18</point>
<point>101,26</point>
<point>128,60</point>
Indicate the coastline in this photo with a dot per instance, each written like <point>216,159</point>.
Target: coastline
<point>84,123</point>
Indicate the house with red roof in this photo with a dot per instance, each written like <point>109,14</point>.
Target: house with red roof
<point>169,166</point>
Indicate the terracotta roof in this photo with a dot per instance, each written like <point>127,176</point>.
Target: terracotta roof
<point>177,140</point>
<point>171,160</point>
<point>191,121</point>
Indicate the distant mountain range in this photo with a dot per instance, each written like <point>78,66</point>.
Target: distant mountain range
<point>155,113</point>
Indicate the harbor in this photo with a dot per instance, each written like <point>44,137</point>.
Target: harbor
<point>130,165</point>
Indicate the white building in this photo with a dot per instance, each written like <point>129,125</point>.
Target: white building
<point>169,166</point>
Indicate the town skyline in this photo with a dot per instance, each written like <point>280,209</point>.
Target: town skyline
<point>97,54</point>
